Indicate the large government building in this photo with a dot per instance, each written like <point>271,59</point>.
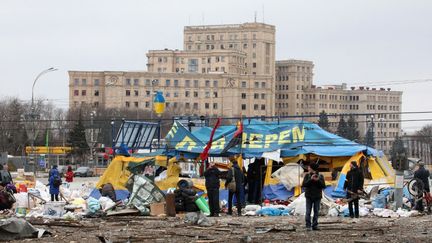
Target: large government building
<point>231,70</point>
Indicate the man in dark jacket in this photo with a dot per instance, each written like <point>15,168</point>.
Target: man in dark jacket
<point>212,185</point>
<point>236,173</point>
<point>107,190</point>
<point>313,184</point>
<point>354,185</point>
<point>422,174</point>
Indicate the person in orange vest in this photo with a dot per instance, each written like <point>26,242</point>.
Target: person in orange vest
<point>69,174</point>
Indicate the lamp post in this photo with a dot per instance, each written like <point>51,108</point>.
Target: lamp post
<point>33,115</point>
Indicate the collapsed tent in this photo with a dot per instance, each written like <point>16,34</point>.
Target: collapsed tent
<point>118,173</point>
<point>291,140</point>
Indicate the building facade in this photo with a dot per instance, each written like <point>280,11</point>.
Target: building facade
<point>186,94</point>
<point>296,95</point>
<point>224,70</point>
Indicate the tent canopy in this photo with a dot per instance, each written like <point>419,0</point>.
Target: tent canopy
<point>291,137</point>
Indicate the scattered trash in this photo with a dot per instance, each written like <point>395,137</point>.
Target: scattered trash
<point>16,228</point>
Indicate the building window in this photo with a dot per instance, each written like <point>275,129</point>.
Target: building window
<point>176,94</point>
<point>136,104</point>
<point>128,81</point>
<point>76,92</point>
<point>136,82</point>
<point>256,84</point>
<point>215,94</point>
<point>176,83</point>
<point>84,81</point>
<point>263,96</point>
<point>167,82</point>
<point>127,104</point>
<point>136,92</point>
<point>187,105</point>
<point>243,106</point>
<point>147,82</point>
<point>175,105</point>
<point>96,104</point>
<point>83,92</point>
<point>243,95</point>
<point>245,46</point>
<point>196,84</point>
<point>147,104</point>
<point>186,93</point>
<point>96,93</point>
<point>167,94</point>
<point>256,96</point>
<point>193,65</point>
<point>195,93</point>
<point>215,83</point>
<point>195,106</point>
<point>263,85</point>
<point>127,92</point>
<point>76,82</point>
<point>256,107</point>
<point>147,93</point>
<point>215,106</point>
<point>243,84</point>
<point>96,82</point>
<point>254,65</point>
<point>207,94</point>
<point>207,105</point>
<point>187,83</point>
<point>207,83</point>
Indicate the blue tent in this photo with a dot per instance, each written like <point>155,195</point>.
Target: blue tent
<point>291,137</point>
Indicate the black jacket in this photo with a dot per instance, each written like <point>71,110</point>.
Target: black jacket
<point>313,189</point>
<point>238,175</point>
<point>423,175</point>
<point>212,178</point>
<point>354,180</point>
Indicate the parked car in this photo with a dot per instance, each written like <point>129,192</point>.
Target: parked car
<point>62,170</point>
<point>83,172</point>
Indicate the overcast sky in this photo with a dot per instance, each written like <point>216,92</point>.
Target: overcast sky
<point>357,42</point>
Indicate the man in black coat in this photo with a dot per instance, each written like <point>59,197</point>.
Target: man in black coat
<point>422,174</point>
<point>313,184</point>
<point>354,185</point>
<point>212,185</point>
<point>239,180</point>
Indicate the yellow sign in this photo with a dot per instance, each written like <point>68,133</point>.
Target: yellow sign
<point>47,150</point>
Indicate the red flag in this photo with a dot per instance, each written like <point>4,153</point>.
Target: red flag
<point>236,139</point>
<point>204,154</point>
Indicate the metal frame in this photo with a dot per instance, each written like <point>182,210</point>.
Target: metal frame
<point>137,135</point>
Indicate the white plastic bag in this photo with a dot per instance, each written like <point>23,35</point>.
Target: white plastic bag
<point>106,202</point>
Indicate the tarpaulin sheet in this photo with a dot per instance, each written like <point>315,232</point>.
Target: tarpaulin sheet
<point>291,137</point>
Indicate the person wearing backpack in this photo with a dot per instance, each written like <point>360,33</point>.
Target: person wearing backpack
<point>234,183</point>
<point>54,183</point>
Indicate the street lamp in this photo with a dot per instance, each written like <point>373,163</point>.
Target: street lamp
<point>33,116</point>
<point>51,69</point>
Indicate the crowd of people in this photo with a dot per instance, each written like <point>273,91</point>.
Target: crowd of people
<point>313,185</point>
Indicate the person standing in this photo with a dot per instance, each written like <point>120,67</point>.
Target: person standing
<point>313,184</point>
<point>422,174</point>
<point>54,183</point>
<point>5,176</point>
<point>69,174</point>
<point>235,173</point>
<point>354,185</point>
<point>212,185</point>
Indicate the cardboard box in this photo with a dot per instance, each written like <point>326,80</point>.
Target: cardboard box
<point>157,208</point>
